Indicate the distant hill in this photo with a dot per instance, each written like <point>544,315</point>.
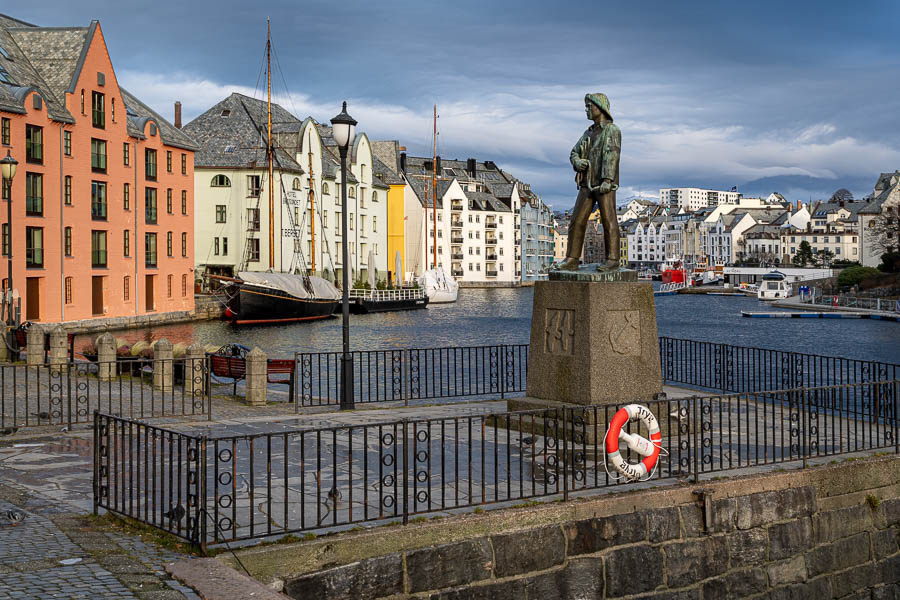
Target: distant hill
<point>801,187</point>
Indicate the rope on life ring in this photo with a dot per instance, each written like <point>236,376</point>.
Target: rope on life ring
<point>649,449</point>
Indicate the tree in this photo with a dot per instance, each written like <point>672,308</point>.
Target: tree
<point>854,275</point>
<point>841,195</point>
<point>884,231</point>
<point>804,255</point>
<point>890,262</point>
<point>823,258</point>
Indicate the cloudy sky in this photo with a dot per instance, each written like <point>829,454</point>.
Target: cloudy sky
<point>799,97</point>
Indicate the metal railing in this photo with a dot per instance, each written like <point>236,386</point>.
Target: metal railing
<point>414,374</point>
<point>388,295</point>
<point>878,304</point>
<point>741,369</point>
<point>240,487</point>
<point>67,394</point>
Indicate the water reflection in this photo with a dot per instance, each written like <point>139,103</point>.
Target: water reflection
<point>494,316</point>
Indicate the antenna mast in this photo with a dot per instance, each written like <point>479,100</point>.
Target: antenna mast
<point>269,145</point>
<point>312,216</point>
<point>434,186</point>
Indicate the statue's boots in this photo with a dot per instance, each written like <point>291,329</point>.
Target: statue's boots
<point>609,265</point>
<point>570,264</point>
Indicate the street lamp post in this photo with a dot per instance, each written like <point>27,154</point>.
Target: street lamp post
<point>343,131</point>
<point>8,169</point>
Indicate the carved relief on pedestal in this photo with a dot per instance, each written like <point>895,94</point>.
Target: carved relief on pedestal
<point>625,332</point>
<point>559,331</point>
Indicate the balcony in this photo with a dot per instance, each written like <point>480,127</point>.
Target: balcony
<point>492,241</point>
<point>457,272</point>
<point>490,225</point>
<point>490,256</point>
<point>457,256</point>
<point>456,239</point>
<point>456,224</point>
<point>456,205</point>
<point>490,273</point>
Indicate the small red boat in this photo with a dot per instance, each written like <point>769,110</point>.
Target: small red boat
<point>673,273</point>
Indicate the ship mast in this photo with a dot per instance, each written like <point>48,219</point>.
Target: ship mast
<point>312,219</point>
<point>269,145</point>
<point>434,186</point>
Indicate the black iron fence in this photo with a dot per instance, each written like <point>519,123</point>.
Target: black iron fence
<point>241,487</point>
<point>500,370</point>
<point>67,394</point>
<point>727,368</point>
<point>414,374</point>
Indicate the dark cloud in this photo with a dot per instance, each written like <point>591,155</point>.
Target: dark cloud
<point>708,94</point>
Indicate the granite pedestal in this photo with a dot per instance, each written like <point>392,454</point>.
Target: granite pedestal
<point>593,342</point>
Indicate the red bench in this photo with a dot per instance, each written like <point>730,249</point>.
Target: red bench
<point>235,368</point>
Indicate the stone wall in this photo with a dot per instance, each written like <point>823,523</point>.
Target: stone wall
<point>828,532</point>
<point>205,308</point>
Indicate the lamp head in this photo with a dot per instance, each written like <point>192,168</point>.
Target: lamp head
<point>8,166</point>
<point>343,128</point>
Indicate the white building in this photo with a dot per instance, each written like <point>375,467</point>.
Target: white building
<point>232,228</point>
<point>885,205</point>
<point>696,198</point>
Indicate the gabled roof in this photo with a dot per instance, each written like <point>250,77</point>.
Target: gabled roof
<point>232,134</point>
<point>139,113</point>
<point>386,174</point>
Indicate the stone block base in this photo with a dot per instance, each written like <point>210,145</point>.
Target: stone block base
<point>593,343</point>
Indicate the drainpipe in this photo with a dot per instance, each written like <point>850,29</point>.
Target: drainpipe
<point>134,208</point>
<point>62,239</point>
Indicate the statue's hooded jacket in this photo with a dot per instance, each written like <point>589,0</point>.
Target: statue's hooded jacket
<point>602,154</point>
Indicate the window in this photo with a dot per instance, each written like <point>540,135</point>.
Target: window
<point>34,144</point>
<point>150,206</point>
<point>98,200</point>
<point>4,131</point>
<point>296,184</point>
<point>169,200</point>
<point>253,219</point>
<point>34,194</point>
<point>112,109</point>
<point>169,286</point>
<point>98,248</point>
<point>126,197</point>
<point>6,191</point>
<point>374,196</point>
<point>184,285</point>
<point>216,246</point>
<point>34,247</point>
<point>220,213</point>
<point>184,202</point>
<point>220,181</point>
<point>374,223</point>
<point>82,101</point>
<point>126,154</point>
<point>150,249</point>
<point>324,218</point>
<point>126,288</point>
<point>68,290</point>
<point>67,190</point>
<point>67,241</point>
<point>183,163</point>
<point>168,161</point>
<point>225,246</point>
<point>362,224</point>
<point>184,244</point>
<point>254,250</point>
<point>351,221</point>
<point>253,185</point>
<point>169,244</point>
<point>325,189</point>
<point>150,164</point>
<point>126,243</point>
<point>351,192</point>
<point>98,110</point>
<point>67,143</point>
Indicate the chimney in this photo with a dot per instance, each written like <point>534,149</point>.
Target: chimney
<point>470,167</point>
<point>437,168</point>
<point>178,114</point>
<point>403,162</point>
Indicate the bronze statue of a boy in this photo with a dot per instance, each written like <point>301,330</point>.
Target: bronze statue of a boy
<point>595,159</point>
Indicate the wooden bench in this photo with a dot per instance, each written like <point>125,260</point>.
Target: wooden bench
<point>235,368</point>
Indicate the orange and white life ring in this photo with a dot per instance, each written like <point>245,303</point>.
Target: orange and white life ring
<point>649,449</point>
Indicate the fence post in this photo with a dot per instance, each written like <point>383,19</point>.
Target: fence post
<point>896,418</point>
<point>96,466</point>
<point>501,360</point>
<point>404,376</point>
<point>405,474</point>
<point>35,342</point>
<point>257,367</point>
<point>565,456</point>
<point>194,379</point>
<point>58,348</point>
<point>162,365</point>
<point>804,415</point>
<point>106,357</point>
<point>201,474</point>
<point>696,427</point>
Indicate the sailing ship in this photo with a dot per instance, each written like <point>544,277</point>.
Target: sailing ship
<point>277,297</point>
<point>439,285</point>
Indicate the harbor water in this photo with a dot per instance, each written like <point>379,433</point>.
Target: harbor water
<point>503,316</point>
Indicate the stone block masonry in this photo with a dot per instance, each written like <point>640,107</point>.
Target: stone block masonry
<point>822,533</point>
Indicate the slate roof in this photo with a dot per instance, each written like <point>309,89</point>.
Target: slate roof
<point>422,188</point>
<point>232,134</point>
<point>49,60</point>
<point>386,174</point>
<point>388,153</point>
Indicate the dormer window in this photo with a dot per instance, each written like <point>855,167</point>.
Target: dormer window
<point>98,110</point>
<point>226,112</point>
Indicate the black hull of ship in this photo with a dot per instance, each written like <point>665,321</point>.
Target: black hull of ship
<point>359,306</point>
<point>256,305</point>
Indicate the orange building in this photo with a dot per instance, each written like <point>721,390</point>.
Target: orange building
<point>102,199</point>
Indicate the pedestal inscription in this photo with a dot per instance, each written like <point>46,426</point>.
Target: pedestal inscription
<point>593,343</point>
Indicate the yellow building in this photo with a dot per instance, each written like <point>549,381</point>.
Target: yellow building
<point>387,169</point>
